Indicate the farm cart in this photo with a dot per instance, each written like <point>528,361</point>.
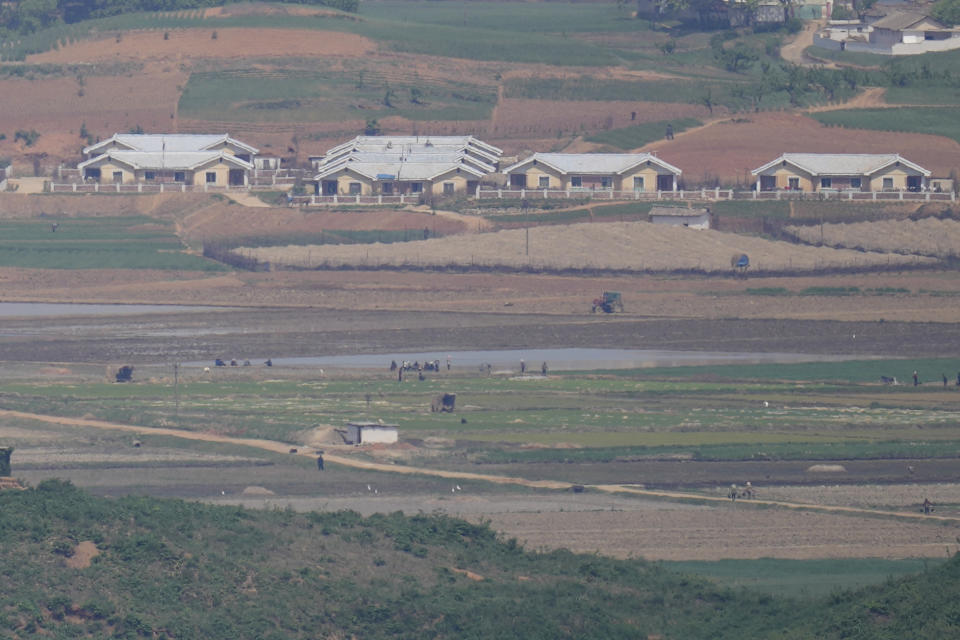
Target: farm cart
<point>608,302</point>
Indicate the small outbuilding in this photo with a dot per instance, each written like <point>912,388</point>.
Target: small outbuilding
<point>681,217</point>
<point>371,432</point>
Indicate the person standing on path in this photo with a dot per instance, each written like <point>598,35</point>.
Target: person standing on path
<point>523,366</point>
<point>916,379</point>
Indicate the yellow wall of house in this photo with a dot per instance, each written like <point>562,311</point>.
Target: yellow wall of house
<point>107,170</point>
<point>899,175</point>
<point>222,171</point>
<point>649,175</point>
<point>783,175</point>
<point>535,172</point>
<point>343,183</point>
<point>459,181</point>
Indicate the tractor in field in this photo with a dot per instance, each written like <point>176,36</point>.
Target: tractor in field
<point>608,302</point>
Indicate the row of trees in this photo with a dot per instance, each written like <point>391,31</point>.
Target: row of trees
<point>28,16</point>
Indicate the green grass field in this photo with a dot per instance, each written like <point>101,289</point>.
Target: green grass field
<point>96,243</point>
<point>932,120</point>
<point>639,135</point>
<point>814,410</point>
<point>298,95</point>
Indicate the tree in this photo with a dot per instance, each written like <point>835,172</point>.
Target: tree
<point>707,100</point>
<point>388,98</point>
<point>947,12</point>
<point>33,15</point>
<point>372,128</point>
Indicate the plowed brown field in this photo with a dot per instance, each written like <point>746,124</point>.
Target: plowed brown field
<point>730,148</point>
<point>190,44</point>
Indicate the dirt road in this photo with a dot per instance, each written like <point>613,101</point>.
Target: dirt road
<point>347,461</point>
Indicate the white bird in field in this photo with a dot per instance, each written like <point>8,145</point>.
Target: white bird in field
<point>368,488</point>
<point>453,489</point>
<point>458,488</point>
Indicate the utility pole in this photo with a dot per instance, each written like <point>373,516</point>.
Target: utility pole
<point>176,386</point>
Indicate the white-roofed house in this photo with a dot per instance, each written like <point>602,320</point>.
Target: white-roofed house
<point>904,32</point>
<point>391,165</point>
<point>813,172</point>
<point>594,171</point>
<point>199,160</point>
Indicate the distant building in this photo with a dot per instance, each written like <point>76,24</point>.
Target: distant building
<point>594,171</point>
<point>841,172</point>
<point>214,160</point>
<point>681,217</point>
<point>897,33</point>
<point>371,432</point>
<point>389,165</point>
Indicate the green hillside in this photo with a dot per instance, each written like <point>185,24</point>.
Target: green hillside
<point>173,569</point>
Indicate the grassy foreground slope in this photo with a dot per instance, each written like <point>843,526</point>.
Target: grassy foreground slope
<point>171,569</point>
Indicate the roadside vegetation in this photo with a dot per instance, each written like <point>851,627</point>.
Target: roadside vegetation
<point>79,566</point>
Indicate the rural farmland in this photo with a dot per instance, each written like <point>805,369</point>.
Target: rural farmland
<point>615,246</point>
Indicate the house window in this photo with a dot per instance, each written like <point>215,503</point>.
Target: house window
<point>178,176</point>
<point>354,188</point>
<point>856,183</point>
<point>211,177</point>
<point>888,183</point>
<point>576,181</point>
<point>544,182</point>
<point>826,183</point>
<point>793,184</point>
<point>386,188</point>
<point>118,176</point>
<point>416,187</point>
<point>448,188</point>
<point>149,175</point>
<point>606,182</point>
<point>638,183</point>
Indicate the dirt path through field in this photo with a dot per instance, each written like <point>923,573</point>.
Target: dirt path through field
<point>871,98</point>
<point>793,50</point>
<point>281,447</point>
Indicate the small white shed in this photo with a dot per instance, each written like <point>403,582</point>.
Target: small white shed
<point>371,432</point>
<point>681,217</point>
